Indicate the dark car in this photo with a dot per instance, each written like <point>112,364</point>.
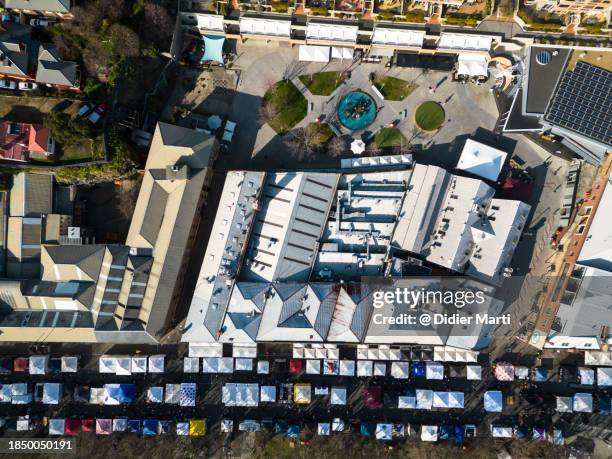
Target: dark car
<point>63,105</point>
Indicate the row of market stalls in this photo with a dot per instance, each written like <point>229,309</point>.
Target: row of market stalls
<point>330,33</point>
<point>397,370</point>
<point>586,376</point>
<point>39,364</point>
<point>145,427</point>
<point>127,365</point>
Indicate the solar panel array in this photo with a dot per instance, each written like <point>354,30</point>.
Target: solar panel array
<point>582,103</point>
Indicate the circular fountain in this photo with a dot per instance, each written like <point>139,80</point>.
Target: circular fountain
<point>356,110</point>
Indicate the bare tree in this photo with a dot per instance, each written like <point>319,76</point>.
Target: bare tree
<point>125,41</point>
<point>337,146</point>
<point>301,142</point>
<point>158,25</point>
<point>267,112</point>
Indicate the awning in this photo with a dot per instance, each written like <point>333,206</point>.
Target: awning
<point>472,65</point>
<point>465,41</point>
<point>210,22</point>
<point>260,26</point>
<point>312,53</point>
<point>213,48</point>
<point>398,37</point>
<point>338,52</point>
<point>331,32</point>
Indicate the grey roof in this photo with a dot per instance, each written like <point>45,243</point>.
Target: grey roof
<point>542,79</point>
<point>154,216</point>
<point>177,136</point>
<point>87,257</point>
<point>52,69</point>
<point>516,120</point>
<point>14,46</point>
<point>591,308</point>
<point>582,102</point>
<point>31,195</point>
<point>56,6</point>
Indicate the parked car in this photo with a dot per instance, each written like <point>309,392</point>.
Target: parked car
<point>7,84</point>
<point>27,86</point>
<point>97,114</point>
<point>61,106</point>
<point>85,108</point>
<point>36,22</point>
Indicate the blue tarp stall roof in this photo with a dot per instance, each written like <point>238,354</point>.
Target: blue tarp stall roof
<point>521,432</point>
<point>605,405</point>
<point>55,365</point>
<point>367,429</point>
<point>213,48</point>
<point>133,425</point>
<point>418,369</point>
<point>447,432</point>
<point>150,427</point>
<point>293,431</point>
<point>459,434</point>
<point>541,374</point>
<point>280,427</point>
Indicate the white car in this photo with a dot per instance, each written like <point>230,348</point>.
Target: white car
<point>27,86</point>
<point>7,84</point>
<point>39,22</point>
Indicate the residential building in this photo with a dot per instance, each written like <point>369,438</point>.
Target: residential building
<point>563,7</point>
<point>49,8</point>
<point>19,140</point>
<point>584,318</point>
<point>23,58</point>
<point>290,253</point>
<point>120,293</point>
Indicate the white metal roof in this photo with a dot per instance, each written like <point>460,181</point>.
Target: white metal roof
<point>481,160</point>
<point>399,37</point>
<point>210,22</point>
<point>596,251</point>
<point>331,32</point>
<point>472,64</point>
<point>465,41</point>
<point>261,26</point>
<point>313,53</point>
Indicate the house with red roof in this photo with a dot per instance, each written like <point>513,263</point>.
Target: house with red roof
<point>19,140</point>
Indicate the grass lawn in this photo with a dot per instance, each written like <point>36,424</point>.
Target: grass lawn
<point>30,109</point>
<point>289,104</point>
<point>429,116</point>
<point>389,137</point>
<point>85,150</point>
<point>321,133</point>
<point>322,84</point>
<point>394,88</point>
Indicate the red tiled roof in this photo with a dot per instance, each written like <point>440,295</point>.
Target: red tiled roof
<point>16,139</point>
<point>39,138</point>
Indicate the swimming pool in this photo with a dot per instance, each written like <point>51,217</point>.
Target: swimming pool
<point>356,110</point>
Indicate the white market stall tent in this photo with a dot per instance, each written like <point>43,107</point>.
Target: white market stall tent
<point>384,431</point>
<point>481,160</point>
<point>474,372</point>
<point>604,376</point>
<point>424,399</point>
<point>429,433</point>
<point>57,426</point>
<point>155,394</point>
<point>243,364</point>
<point>173,394</point>
<point>313,53</point>
<point>493,401</point>
<point>70,364</point>
<point>338,52</point>
<point>313,367</point>
<point>240,394</point>
<point>38,364</point>
<point>52,393</point>
<point>502,431</point>
<point>338,396</point>
<point>400,370</point>
<point>364,368</point>
<point>587,376</point>
<point>268,394</point>
<point>347,368</point>
<point>472,65</point>
<point>380,369</point>
<point>210,22</point>
<point>434,370</point>
<point>565,404</point>
<point>583,402</point>
<point>465,41</point>
<point>323,428</point>
<point>191,365</point>
<point>157,363</point>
